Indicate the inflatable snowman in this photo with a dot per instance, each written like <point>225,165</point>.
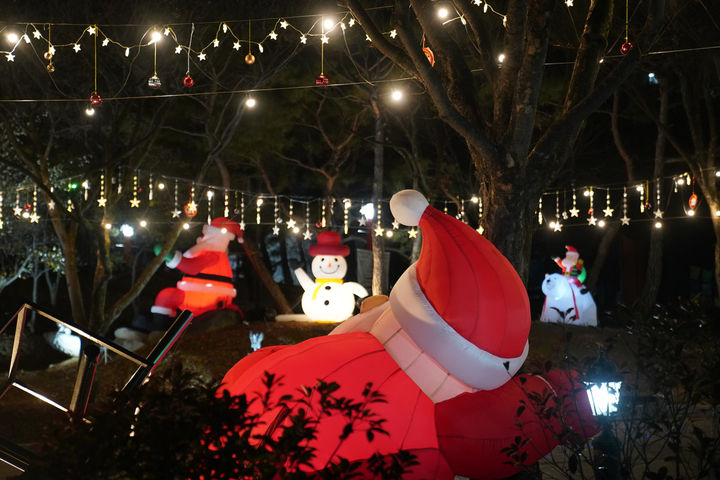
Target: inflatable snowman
<point>328,298</point>
<point>567,300</point>
<point>443,353</point>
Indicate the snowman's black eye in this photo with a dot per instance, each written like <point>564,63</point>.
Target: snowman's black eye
<point>336,259</point>
<point>322,259</point>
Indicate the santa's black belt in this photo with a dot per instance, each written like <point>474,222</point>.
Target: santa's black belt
<point>214,278</point>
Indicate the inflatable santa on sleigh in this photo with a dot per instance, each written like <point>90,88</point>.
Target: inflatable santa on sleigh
<point>444,351</point>
<point>207,283</point>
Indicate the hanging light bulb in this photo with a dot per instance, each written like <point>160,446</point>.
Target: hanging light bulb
<point>250,102</point>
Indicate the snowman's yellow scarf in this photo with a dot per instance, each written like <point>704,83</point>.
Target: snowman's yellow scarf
<point>322,281</point>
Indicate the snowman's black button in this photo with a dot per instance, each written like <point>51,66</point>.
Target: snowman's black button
<point>327,287</point>
<point>327,302</point>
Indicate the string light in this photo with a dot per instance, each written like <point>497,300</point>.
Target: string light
<point>557,227</point>
<point>592,220</point>
<point>258,204</point>
<point>641,190</point>
<point>346,209</point>
<point>176,211</point>
<point>276,218</point>
<point>2,223</point>
<point>226,209</point>
<point>480,228</point>
<point>307,235</point>
<point>625,220</point>
<point>658,213</point>
<point>608,211</point>
<point>34,217</point>
<point>574,210</point>
<point>323,221</point>
<point>291,221</point>
<point>539,211</point>
<point>242,212</point>
<point>210,196</point>
<point>379,230</point>
<point>150,188</point>
<point>135,202</point>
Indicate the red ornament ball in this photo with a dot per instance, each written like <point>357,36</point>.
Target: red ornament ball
<point>692,201</point>
<point>188,81</point>
<point>626,47</point>
<point>95,98</point>
<point>190,210</point>
<point>590,211</point>
<point>322,80</point>
<point>27,207</point>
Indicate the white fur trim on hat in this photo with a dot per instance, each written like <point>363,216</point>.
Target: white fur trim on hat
<point>175,261</point>
<point>407,206</point>
<point>461,358</point>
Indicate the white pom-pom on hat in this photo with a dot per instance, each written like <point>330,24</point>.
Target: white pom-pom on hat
<point>407,206</point>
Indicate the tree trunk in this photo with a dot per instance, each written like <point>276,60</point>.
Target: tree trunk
<point>653,274</point>
<point>377,240</point>
<point>253,254</point>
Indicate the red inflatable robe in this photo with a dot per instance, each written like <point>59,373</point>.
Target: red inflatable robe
<point>206,286</point>
<point>460,436</point>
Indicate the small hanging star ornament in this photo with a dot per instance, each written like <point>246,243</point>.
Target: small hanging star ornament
<point>154,82</point>
<point>188,81</point>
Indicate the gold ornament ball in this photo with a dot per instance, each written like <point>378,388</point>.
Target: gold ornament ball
<point>249,58</point>
<point>48,55</point>
<point>50,68</point>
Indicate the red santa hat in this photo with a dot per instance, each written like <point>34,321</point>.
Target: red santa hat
<point>571,249</point>
<point>462,302</point>
<point>226,226</point>
<point>329,243</point>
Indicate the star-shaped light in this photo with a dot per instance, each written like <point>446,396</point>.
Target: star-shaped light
<point>102,202</point>
<point>324,38</point>
<point>393,33</point>
<point>17,210</point>
<point>412,233</point>
<point>307,235</point>
<point>592,220</point>
<point>273,35</point>
<point>303,39</point>
<point>242,226</point>
<point>236,45</point>
<point>379,231</point>
<point>176,213</point>
<point>480,229</point>
<point>34,217</point>
<point>574,212</point>
<point>608,211</point>
<point>569,3</point>
<point>395,224</point>
<point>276,230</point>
<point>362,222</point>
<point>76,47</point>
<point>625,220</point>
<point>283,24</point>
<point>201,56</point>
<point>477,2</point>
<point>557,226</point>
<point>10,57</point>
<point>51,205</point>
<point>351,22</point>
<point>192,206</point>
<point>658,213</point>
<point>37,34</point>
<point>178,49</point>
<point>51,49</point>
<point>105,42</point>
<point>290,224</point>
<point>91,30</point>
<point>367,37</point>
<point>134,203</point>
<point>216,43</point>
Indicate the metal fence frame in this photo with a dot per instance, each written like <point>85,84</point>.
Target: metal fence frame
<point>20,458</point>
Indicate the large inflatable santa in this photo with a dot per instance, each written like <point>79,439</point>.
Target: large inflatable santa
<point>444,351</point>
<point>207,283</point>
